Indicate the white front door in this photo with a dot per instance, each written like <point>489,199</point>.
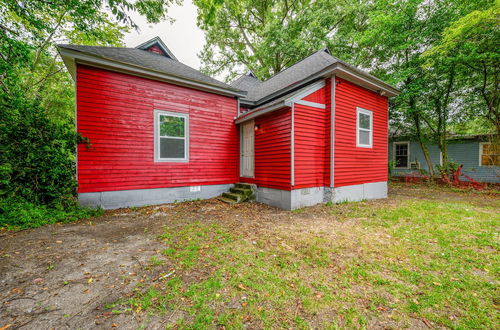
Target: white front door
<point>247,149</point>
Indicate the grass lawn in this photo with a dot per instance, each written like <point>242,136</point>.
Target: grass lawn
<point>426,259</point>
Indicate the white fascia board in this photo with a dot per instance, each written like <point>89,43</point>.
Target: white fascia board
<point>369,82</point>
<point>261,111</point>
<point>142,72</point>
<point>311,104</point>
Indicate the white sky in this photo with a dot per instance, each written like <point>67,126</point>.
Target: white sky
<point>183,37</point>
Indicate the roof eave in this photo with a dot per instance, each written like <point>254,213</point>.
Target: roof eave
<point>365,80</point>
<point>340,69</point>
<point>71,57</point>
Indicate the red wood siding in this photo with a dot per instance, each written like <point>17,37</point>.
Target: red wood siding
<point>355,165</point>
<point>157,50</point>
<point>312,140</point>
<point>317,97</point>
<point>272,150</point>
<point>116,112</point>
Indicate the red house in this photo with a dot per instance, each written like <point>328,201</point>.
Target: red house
<point>161,131</point>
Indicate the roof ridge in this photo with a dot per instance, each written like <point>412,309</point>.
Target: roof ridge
<point>96,46</point>
<point>324,49</point>
<point>246,75</point>
<point>87,49</point>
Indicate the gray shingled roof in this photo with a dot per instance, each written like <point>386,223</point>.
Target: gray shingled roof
<point>148,60</point>
<point>257,90</point>
<point>246,83</point>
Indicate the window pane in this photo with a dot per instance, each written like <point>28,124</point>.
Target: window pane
<point>491,155</point>
<point>172,148</point>
<point>401,149</point>
<point>172,126</point>
<point>401,161</point>
<point>364,120</point>
<point>364,137</point>
<point>489,160</point>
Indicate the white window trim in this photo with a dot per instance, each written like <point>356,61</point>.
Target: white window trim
<point>369,113</point>
<point>157,114</point>
<point>408,166</point>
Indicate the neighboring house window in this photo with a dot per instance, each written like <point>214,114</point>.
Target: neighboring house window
<point>171,136</point>
<point>489,154</point>
<point>364,133</point>
<point>401,154</point>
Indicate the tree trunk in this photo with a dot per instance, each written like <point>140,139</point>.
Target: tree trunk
<point>425,151</point>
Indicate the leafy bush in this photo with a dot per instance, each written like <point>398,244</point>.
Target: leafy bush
<point>17,213</point>
<point>38,156</point>
<point>37,162</point>
<point>447,169</point>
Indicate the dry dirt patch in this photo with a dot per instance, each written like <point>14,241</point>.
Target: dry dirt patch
<point>63,276</point>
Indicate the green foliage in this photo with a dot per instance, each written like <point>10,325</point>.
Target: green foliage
<point>17,214</point>
<point>38,163</point>
<point>38,139</point>
<point>471,43</point>
<point>391,165</point>
<point>447,169</point>
<point>265,36</point>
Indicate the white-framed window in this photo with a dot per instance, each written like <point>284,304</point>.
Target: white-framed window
<point>171,136</point>
<point>364,128</point>
<point>401,154</point>
<point>489,154</point>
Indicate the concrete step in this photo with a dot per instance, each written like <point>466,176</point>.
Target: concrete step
<point>241,191</point>
<point>226,200</point>
<point>236,197</point>
<point>243,185</point>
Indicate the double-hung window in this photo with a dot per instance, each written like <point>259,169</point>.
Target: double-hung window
<point>171,136</point>
<point>401,155</point>
<point>364,128</point>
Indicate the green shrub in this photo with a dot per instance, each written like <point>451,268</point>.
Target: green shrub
<point>17,213</point>
<point>37,158</point>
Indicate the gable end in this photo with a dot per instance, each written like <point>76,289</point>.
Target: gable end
<point>157,46</point>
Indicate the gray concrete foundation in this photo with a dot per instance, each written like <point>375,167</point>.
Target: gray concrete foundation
<point>297,198</point>
<point>142,197</point>
<point>284,199</point>
<point>359,192</point>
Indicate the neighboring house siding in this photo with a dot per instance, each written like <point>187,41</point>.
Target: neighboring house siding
<point>355,165</point>
<point>311,139</point>
<point>116,113</point>
<point>416,154</point>
<point>465,153</point>
<point>272,150</point>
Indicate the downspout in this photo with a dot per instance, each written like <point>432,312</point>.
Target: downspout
<point>332,130</point>
<point>240,154</point>
<point>76,128</point>
<point>292,148</point>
